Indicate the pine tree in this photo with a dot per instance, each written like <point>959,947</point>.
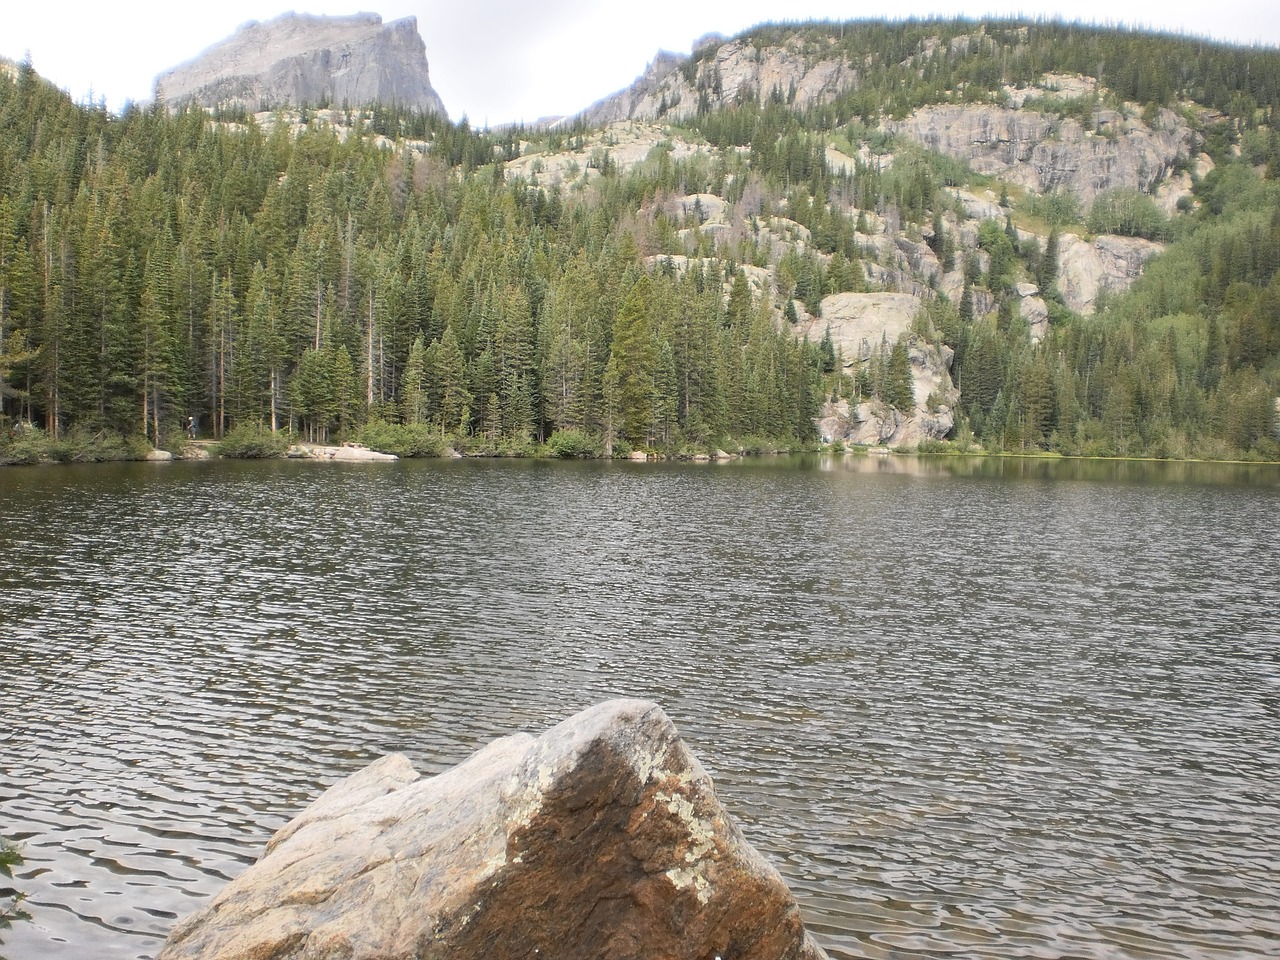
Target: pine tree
<point>827,351</point>
<point>346,397</point>
<point>630,375</point>
<point>966,304</point>
<point>160,395</point>
<point>17,295</point>
<point>1047,275</point>
<point>311,393</point>
<point>1038,401</point>
<point>898,390</point>
<point>414,384</point>
<point>450,375</point>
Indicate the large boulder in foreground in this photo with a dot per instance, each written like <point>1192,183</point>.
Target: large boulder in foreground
<point>601,838</point>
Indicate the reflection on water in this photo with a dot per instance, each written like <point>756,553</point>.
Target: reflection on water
<point>966,714</point>
<point>1060,469</point>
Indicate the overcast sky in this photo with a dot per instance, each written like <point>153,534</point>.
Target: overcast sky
<point>501,60</point>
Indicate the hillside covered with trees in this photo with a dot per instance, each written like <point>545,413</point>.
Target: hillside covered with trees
<point>391,277</point>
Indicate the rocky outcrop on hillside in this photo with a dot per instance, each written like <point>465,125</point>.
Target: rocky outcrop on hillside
<point>641,100</point>
<point>738,69</point>
<point>298,59</point>
<point>601,838</point>
<point>1045,153</point>
<point>1036,149</point>
<point>861,322</point>
<point>1086,268</point>
<point>1107,265</point>
<point>862,326</point>
<point>875,424</point>
<point>623,145</point>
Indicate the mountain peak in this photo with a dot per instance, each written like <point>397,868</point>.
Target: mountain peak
<point>299,59</point>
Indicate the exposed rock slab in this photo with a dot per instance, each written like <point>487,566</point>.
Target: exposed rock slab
<point>347,452</point>
<point>1045,153</point>
<point>738,68</point>
<point>860,322</point>
<point>299,59</point>
<point>1109,264</point>
<point>601,838</point>
<point>875,424</point>
<point>625,144</point>
<point>1034,148</point>
<point>1035,312</point>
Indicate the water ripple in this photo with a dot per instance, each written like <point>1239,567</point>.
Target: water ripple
<point>1004,714</point>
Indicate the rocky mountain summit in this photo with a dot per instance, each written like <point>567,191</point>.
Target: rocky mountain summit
<point>299,59</point>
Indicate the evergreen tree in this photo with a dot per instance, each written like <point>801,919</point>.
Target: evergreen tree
<point>414,384</point>
<point>898,390</point>
<point>153,265</point>
<point>450,376</point>
<point>630,381</point>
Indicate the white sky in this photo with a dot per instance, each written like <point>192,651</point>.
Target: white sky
<point>500,60</point>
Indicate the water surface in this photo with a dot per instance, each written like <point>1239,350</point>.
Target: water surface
<point>981,709</point>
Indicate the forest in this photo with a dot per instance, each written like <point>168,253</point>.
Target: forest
<point>155,267</point>
<point>391,284</point>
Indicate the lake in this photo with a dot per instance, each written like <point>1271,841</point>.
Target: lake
<point>969,708</point>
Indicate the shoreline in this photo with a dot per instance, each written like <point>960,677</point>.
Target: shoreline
<point>351,452</point>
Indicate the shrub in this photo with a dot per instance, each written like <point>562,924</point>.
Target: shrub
<point>756,446</point>
<point>1056,209</point>
<point>24,443</point>
<point>253,441</point>
<point>931,445</point>
<point>85,447</point>
<point>27,444</point>
<point>573,444</point>
<point>1128,213</point>
<point>404,440</point>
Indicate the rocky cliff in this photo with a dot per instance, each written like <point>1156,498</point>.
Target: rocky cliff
<point>738,69</point>
<point>860,324</point>
<point>299,59</point>
<point>1045,153</point>
<point>1019,142</point>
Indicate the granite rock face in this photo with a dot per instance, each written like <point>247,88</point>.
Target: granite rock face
<point>1108,265</point>
<point>861,325</point>
<point>1039,150</point>
<point>1046,153</point>
<point>736,71</point>
<point>601,838</point>
<point>299,59</point>
<point>861,322</point>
